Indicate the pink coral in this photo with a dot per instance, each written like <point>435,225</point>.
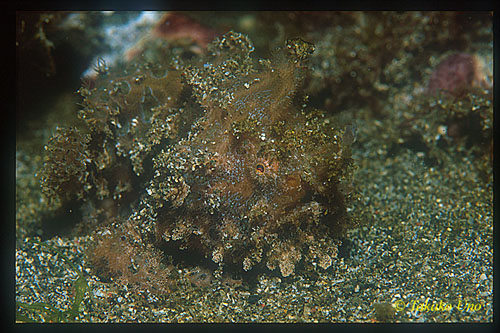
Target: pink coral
<point>457,73</point>
<point>176,27</point>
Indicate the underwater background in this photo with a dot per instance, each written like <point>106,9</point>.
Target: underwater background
<point>254,167</point>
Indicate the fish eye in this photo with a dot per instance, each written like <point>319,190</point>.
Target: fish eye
<point>260,168</point>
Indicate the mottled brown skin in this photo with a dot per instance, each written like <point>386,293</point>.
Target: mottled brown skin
<point>266,163</point>
<point>217,157</point>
